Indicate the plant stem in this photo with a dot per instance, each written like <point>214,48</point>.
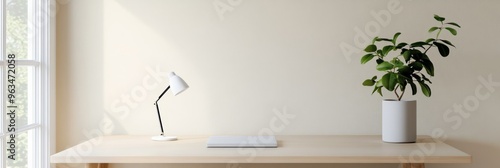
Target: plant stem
<point>395,92</point>
<point>402,93</point>
<point>437,37</point>
<point>397,95</point>
<point>439,32</point>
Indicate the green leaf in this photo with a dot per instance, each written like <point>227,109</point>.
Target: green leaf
<point>439,18</point>
<point>379,61</point>
<point>429,67</point>
<point>425,89</point>
<point>447,42</point>
<point>366,58</point>
<point>396,62</point>
<point>416,77</point>
<point>401,45</point>
<point>413,87</point>
<point>385,66</point>
<point>374,78</point>
<point>417,54</point>
<point>426,79</point>
<point>389,81</point>
<point>377,89</point>
<point>417,66</point>
<point>371,48</point>
<point>402,87</point>
<point>454,24</point>
<point>404,77</point>
<point>429,40</point>
<point>368,82</point>
<point>424,56</point>
<point>433,29</point>
<point>407,55</point>
<point>395,38</point>
<point>402,82</point>
<point>379,83</point>
<point>384,39</point>
<point>418,44</point>
<point>387,49</point>
<point>374,39</point>
<point>443,49</point>
<point>374,89</point>
<point>405,70</point>
<point>452,31</point>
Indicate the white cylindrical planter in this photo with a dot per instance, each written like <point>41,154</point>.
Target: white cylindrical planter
<point>399,121</point>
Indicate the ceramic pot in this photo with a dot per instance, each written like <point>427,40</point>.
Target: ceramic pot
<point>399,121</point>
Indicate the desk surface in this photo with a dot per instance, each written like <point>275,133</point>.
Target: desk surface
<point>291,149</point>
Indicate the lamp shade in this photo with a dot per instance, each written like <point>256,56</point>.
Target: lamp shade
<point>177,84</point>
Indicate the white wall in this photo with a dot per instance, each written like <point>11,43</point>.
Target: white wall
<point>261,57</point>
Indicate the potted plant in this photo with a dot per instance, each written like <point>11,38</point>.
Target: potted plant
<point>409,66</point>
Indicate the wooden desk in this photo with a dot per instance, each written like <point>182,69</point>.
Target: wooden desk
<point>98,152</point>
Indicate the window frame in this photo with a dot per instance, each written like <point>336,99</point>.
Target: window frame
<point>41,14</point>
<point>2,52</point>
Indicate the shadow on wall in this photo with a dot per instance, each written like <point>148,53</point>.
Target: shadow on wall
<point>80,77</point>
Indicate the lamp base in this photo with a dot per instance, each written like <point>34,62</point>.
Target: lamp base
<point>164,138</point>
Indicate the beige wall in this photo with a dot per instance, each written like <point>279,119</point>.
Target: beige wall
<point>262,56</point>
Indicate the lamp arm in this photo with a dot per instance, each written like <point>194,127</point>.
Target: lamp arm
<point>163,93</point>
<point>158,109</point>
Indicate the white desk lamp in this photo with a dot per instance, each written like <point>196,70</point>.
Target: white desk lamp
<point>178,86</point>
